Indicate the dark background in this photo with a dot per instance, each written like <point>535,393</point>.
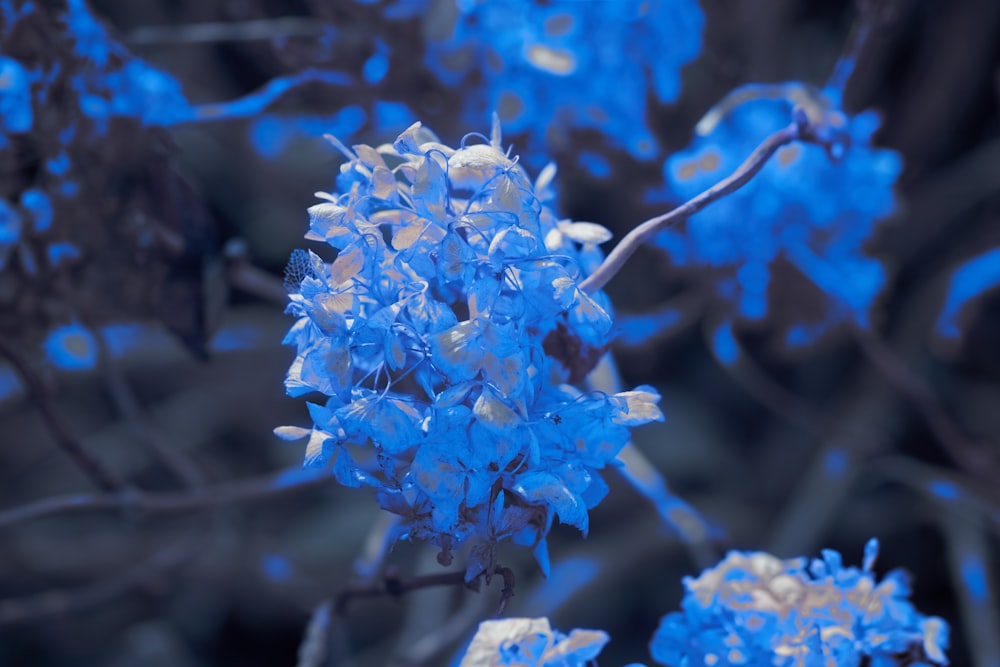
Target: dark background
<point>234,584</point>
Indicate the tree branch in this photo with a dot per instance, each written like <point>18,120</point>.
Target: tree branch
<point>975,458</point>
<point>39,394</point>
<point>249,490</point>
<point>799,130</point>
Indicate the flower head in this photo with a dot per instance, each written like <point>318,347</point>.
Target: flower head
<point>446,336</point>
<point>756,609</point>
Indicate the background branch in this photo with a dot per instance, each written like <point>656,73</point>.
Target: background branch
<point>39,395</point>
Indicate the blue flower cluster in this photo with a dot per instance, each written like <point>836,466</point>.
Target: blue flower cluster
<point>531,642</point>
<point>446,336</point>
<point>754,609</point>
<point>112,82</point>
<point>81,123</point>
<point>59,93</point>
<point>551,66</point>
<point>16,114</point>
<point>809,210</point>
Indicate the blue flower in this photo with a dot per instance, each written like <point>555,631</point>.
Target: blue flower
<point>531,642</point>
<point>550,67</point>
<point>969,281</point>
<point>756,609</point>
<point>446,336</point>
<point>72,347</point>
<point>805,211</point>
<point>16,113</point>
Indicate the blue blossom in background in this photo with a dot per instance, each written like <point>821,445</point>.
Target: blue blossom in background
<point>758,610</point>
<point>117,84</point>
<point>72,347</point>
<point>447,337</point>
<point>531,642</point>
<point>551,66</point>
<point>804,209</point>
<point>16,114</point>
<point>969,281</point>
<point>78,104</point>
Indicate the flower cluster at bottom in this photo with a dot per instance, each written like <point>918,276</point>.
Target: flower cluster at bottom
<point>447,336</point>
<point>756,609</point>
<point>753,610</point>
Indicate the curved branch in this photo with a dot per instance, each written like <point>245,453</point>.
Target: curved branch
<point>39,394</point>
<point>140,502</point>
<point>799,130</point>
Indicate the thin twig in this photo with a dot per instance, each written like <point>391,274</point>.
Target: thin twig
<point>39,394</point>
<point>314,646</point>
<point>128,407</point>
<point>799,130</point>
<point>65,601</point>
<point>867,426</point>
<point>377,544</point>
<point>963,493</point>
<point>235,31</point>
<point>763,388</point>
<point>394,586</point>
<point>976,583</point>
<point>430,646</point>
<point>243,275</point>
<point>507,592</point>
<point>152,503</point>
<point>975,459</point>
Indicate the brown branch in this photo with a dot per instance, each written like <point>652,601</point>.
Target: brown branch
<point>229,31</point>
<point>65,601</point>
<point>767,391</point>
<point>394,586</point>
<point>128,407</point>
<point>152,503</point>
<point>243,275</point>
<point>39,394</point>
<point>972,457</point>
<point>799,130</point>
<point>507,592</point>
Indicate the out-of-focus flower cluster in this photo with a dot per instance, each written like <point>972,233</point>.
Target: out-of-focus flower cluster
<point>756,609</point>
<point>447,335</point>
<point>531,642</point>
<point>93,222</point>
<point>548,67</point>
<point>808,212</point>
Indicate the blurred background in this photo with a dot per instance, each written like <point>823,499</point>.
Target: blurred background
<point>141,320</point>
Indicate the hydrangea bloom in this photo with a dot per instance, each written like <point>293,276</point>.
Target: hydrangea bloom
<point>446,336</point>
<point>531,642</point>
<point>548,66</point>
<point>804,210</point>
<point>756,609</point>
